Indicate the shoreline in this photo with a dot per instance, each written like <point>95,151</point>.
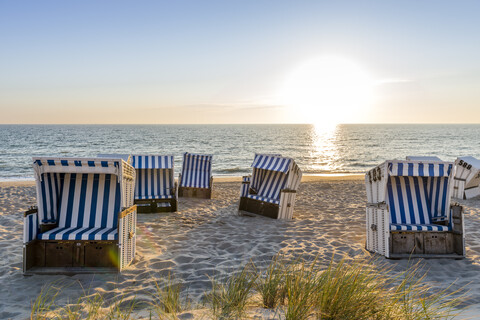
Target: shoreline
<point>225,179</point>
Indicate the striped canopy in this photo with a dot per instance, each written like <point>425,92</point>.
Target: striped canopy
<point>152,162</point>
<point>75,165</point>
<point>196,170</point>
<point>420,169</point>
<point>271,162</point>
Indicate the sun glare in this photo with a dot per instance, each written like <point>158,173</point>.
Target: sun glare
<point>327,91</point>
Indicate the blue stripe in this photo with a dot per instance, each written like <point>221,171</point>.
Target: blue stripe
<point>165,172</point>
<point>93,206</point>
<point>420,170</point>
<point>71,193</point>
<point>393,209</point>
<point>437,197</point>
<point>419,201</point>
<point>444,196</point>
<point>64,163</point>
<point>146,177</point>
<point>400,197</point>
<point>104,163</point>
<point>400,169</point>
<point>77,163</point>
<point>106,197</point>
<point>51,181</point>
<point>44,197</point>
<point>51,162</point>
<point>83,195</point>
<point>117,204</point>
<point>30,227</point>
<point>441,169</point>
<point>410,169</point>
<point>410,201</point>
<point>431,170</point>
<point>91,163</point>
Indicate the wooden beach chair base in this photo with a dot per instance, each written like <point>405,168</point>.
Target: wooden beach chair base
<point>69,256</point>
<point>201,193</point>
<point>82,256</point>
<point>157,205</point>
<point>259,207</point>
<point>431,244</point>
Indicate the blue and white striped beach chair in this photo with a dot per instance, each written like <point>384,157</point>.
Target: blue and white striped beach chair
<point>85,217</point>
<point>409,211</point>
<point>196,179</point>
<point>467,178</point>
<point>271,189</point>
<point>155,188</point>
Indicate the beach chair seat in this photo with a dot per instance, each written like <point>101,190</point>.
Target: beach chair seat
<point>409,211</point>
<point>418,227</point>
<point>150,197</point>
<point>195,179</point>
<point>155,187</point>
<point>271,190</point>
<point>264,199</point>
<point>85,218</point>
<point>80,233</point>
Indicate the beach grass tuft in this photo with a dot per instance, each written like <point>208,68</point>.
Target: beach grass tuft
<point>229,299</point>
<point>167,301</point>
<point>271,283</point>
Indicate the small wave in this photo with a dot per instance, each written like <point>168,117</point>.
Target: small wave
<point>233,170</point>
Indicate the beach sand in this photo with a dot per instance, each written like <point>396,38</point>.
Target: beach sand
<point>207,238</point>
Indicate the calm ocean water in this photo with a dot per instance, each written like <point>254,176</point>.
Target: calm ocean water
<point>343,149</point>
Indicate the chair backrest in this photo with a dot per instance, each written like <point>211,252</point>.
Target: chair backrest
<point>196,170</point>
<point>272,183</point>
<point>89,200</point>
<point>408,200</point>
<point>154,175</point>
<point>417,192</point>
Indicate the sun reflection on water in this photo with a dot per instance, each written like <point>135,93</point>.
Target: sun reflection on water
<point>324,152</point>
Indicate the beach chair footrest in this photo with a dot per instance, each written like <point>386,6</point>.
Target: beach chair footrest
<point>156,205</point>
<point>189,192</point>
<point>425,243</point>
<point>259,207</point>
<point>42,254</point>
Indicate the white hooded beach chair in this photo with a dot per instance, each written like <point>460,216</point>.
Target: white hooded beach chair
<point>467,178</point>
<point>195,180</point>
<point>85,218</point>
<point>271,189</point>
<point>155,187</point>
<point>409,213</point>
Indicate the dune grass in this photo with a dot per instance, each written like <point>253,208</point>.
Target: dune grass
<point>229,299</point>
<point>347,289</point>
<point>166,299</point>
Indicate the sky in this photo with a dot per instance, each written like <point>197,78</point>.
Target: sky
<point>259,61</point>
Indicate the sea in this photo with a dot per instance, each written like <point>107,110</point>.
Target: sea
<point>341,149</point>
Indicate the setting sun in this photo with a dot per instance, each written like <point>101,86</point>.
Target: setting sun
<point>327,91</point>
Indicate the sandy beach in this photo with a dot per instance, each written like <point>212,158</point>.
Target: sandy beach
<point>207,238</point>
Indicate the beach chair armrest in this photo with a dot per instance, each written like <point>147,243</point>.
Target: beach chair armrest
<point>439,218</point>
<point>288,191</point>
<point>126,211</point>
<point>244,188</point>
<point>31,210</point>
<point>127,223</point>
<point>30,225</point>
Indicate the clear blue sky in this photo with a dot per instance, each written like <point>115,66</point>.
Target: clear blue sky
<point>227,61</point>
